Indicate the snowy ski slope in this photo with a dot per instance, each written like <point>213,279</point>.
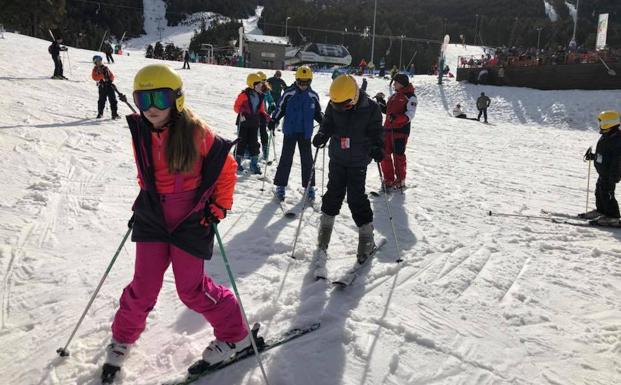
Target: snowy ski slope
<point>477,300</point>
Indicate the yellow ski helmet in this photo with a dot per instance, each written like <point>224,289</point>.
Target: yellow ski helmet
<point>304,73</point>
<point>156,76</point>
<point>344,88</point>
<point>262,75</point>
<point>608,119</point>
<point>252,79</point>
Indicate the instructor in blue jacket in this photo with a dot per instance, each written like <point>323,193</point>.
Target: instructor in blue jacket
<point>299,105</point>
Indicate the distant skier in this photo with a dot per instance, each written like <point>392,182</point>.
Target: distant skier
<point>607,159</point>
<point>108,50</point>
<point>104,78</point>
<point>483,103</point>
<point>400,111</point>
<point>54,49</point>
<point>299,105</point>
<point>353,126</point>
<point>186,60</point>
<point>187,178</point>
<point>270,107</point>
<point>250,110</point>
<point>277,85</point>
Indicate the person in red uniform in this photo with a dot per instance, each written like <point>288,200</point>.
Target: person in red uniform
<point>400,110</point>
<point>187,178</point>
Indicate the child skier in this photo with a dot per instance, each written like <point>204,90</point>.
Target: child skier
<point>250,110</point>
<point>353,125</point>
<point>400,110</point>
<point>54,49</point>
<point>186,177</point>
<point>104,78</point>
<point>269,103</point>
<point>299,105</point>
<point>607,159</point>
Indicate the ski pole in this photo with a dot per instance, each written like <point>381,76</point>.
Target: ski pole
<point>69,63</point>
<point>308,185</point>
<point>229,271</point>
<point>267,163</point>
<point>586,210</point>
<point>491,213</point>
<point>274,146</point>
<point>392,224</point>
<point>63,352</point>
<point>323,170</point>
<point>123,98</point>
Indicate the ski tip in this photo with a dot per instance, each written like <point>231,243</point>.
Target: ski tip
<point>490,213</point>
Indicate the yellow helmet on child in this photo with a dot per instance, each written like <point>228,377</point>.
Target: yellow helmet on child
<point>262,75</point>
<point>304,73</point>
<point>252,79</point>
<point>344,88</point>
<point>156,76</point>
<point>608,119</point>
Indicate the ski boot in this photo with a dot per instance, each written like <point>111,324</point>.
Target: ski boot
<point>593,214</point>
<point>366,245</point>
<point>240,167</point>
<point>326,224</point>
<point>266,152</point>
<point>608,221</point>
<point>311,195</point>
<point>254,165</point>
<point>99,115</point>
<point>220,351</point>
<point>399,184</point>
<point>115,116</point>
<point>116,354</point>
<point>280,193</point>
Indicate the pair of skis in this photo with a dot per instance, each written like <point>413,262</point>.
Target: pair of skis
<point>557,217</point>
<point>201,369</point>
<point>347,277</point>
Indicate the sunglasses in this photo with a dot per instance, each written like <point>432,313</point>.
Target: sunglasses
<point>342,106</point>
<point>161,99</point>
<point>303,83</point>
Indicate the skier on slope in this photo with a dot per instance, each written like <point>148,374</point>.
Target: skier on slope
<point>108,50</point>
<point>400,111</point>
<point>607,159</point>
<point>483,103</point>
<point>54,49</point>
<point>186,177</point>
<point>277,85</point>
<point>299,105</point>
<point>250,110</point>
<point>269,103</point>
<point>104,78</point>
<point>353,125</point>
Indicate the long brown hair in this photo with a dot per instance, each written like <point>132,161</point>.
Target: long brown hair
<point>181,149</point>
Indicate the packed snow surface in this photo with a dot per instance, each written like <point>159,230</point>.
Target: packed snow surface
<point>477,299</point>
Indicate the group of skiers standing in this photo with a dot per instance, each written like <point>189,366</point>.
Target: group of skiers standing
<point>187,178</point>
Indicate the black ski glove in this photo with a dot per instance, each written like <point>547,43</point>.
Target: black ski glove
<point>320,139</point>
<point>213,213</point>
<point>271,125</point>
<point>589,155</point>
<point>123,98</point>
<point>377,153</point>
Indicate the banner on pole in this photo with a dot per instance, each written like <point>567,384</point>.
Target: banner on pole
<point>602,30</point>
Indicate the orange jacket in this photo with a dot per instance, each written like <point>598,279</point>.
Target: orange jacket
<point>165,182</point>
<point>242,105</point>
<point>102,73</point>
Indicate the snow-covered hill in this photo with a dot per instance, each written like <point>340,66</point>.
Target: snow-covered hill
<point>477,300</point>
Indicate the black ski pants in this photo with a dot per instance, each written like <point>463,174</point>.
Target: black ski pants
<point>482,111</point>
<point>106,91</point>
<point>286,159</point>
<point>58,66</point>
<point>186,63</point>
<point>248,140</point>
<point>350,180</point>
<point>109,58</point>
<point>605,201</point>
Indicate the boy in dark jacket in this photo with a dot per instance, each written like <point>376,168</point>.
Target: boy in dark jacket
<point>104,78</point>
<point>299,105</point>
<point>186,60</point>
<point>54,50</point>
<point>607,159</point>
<point>353,125</point>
